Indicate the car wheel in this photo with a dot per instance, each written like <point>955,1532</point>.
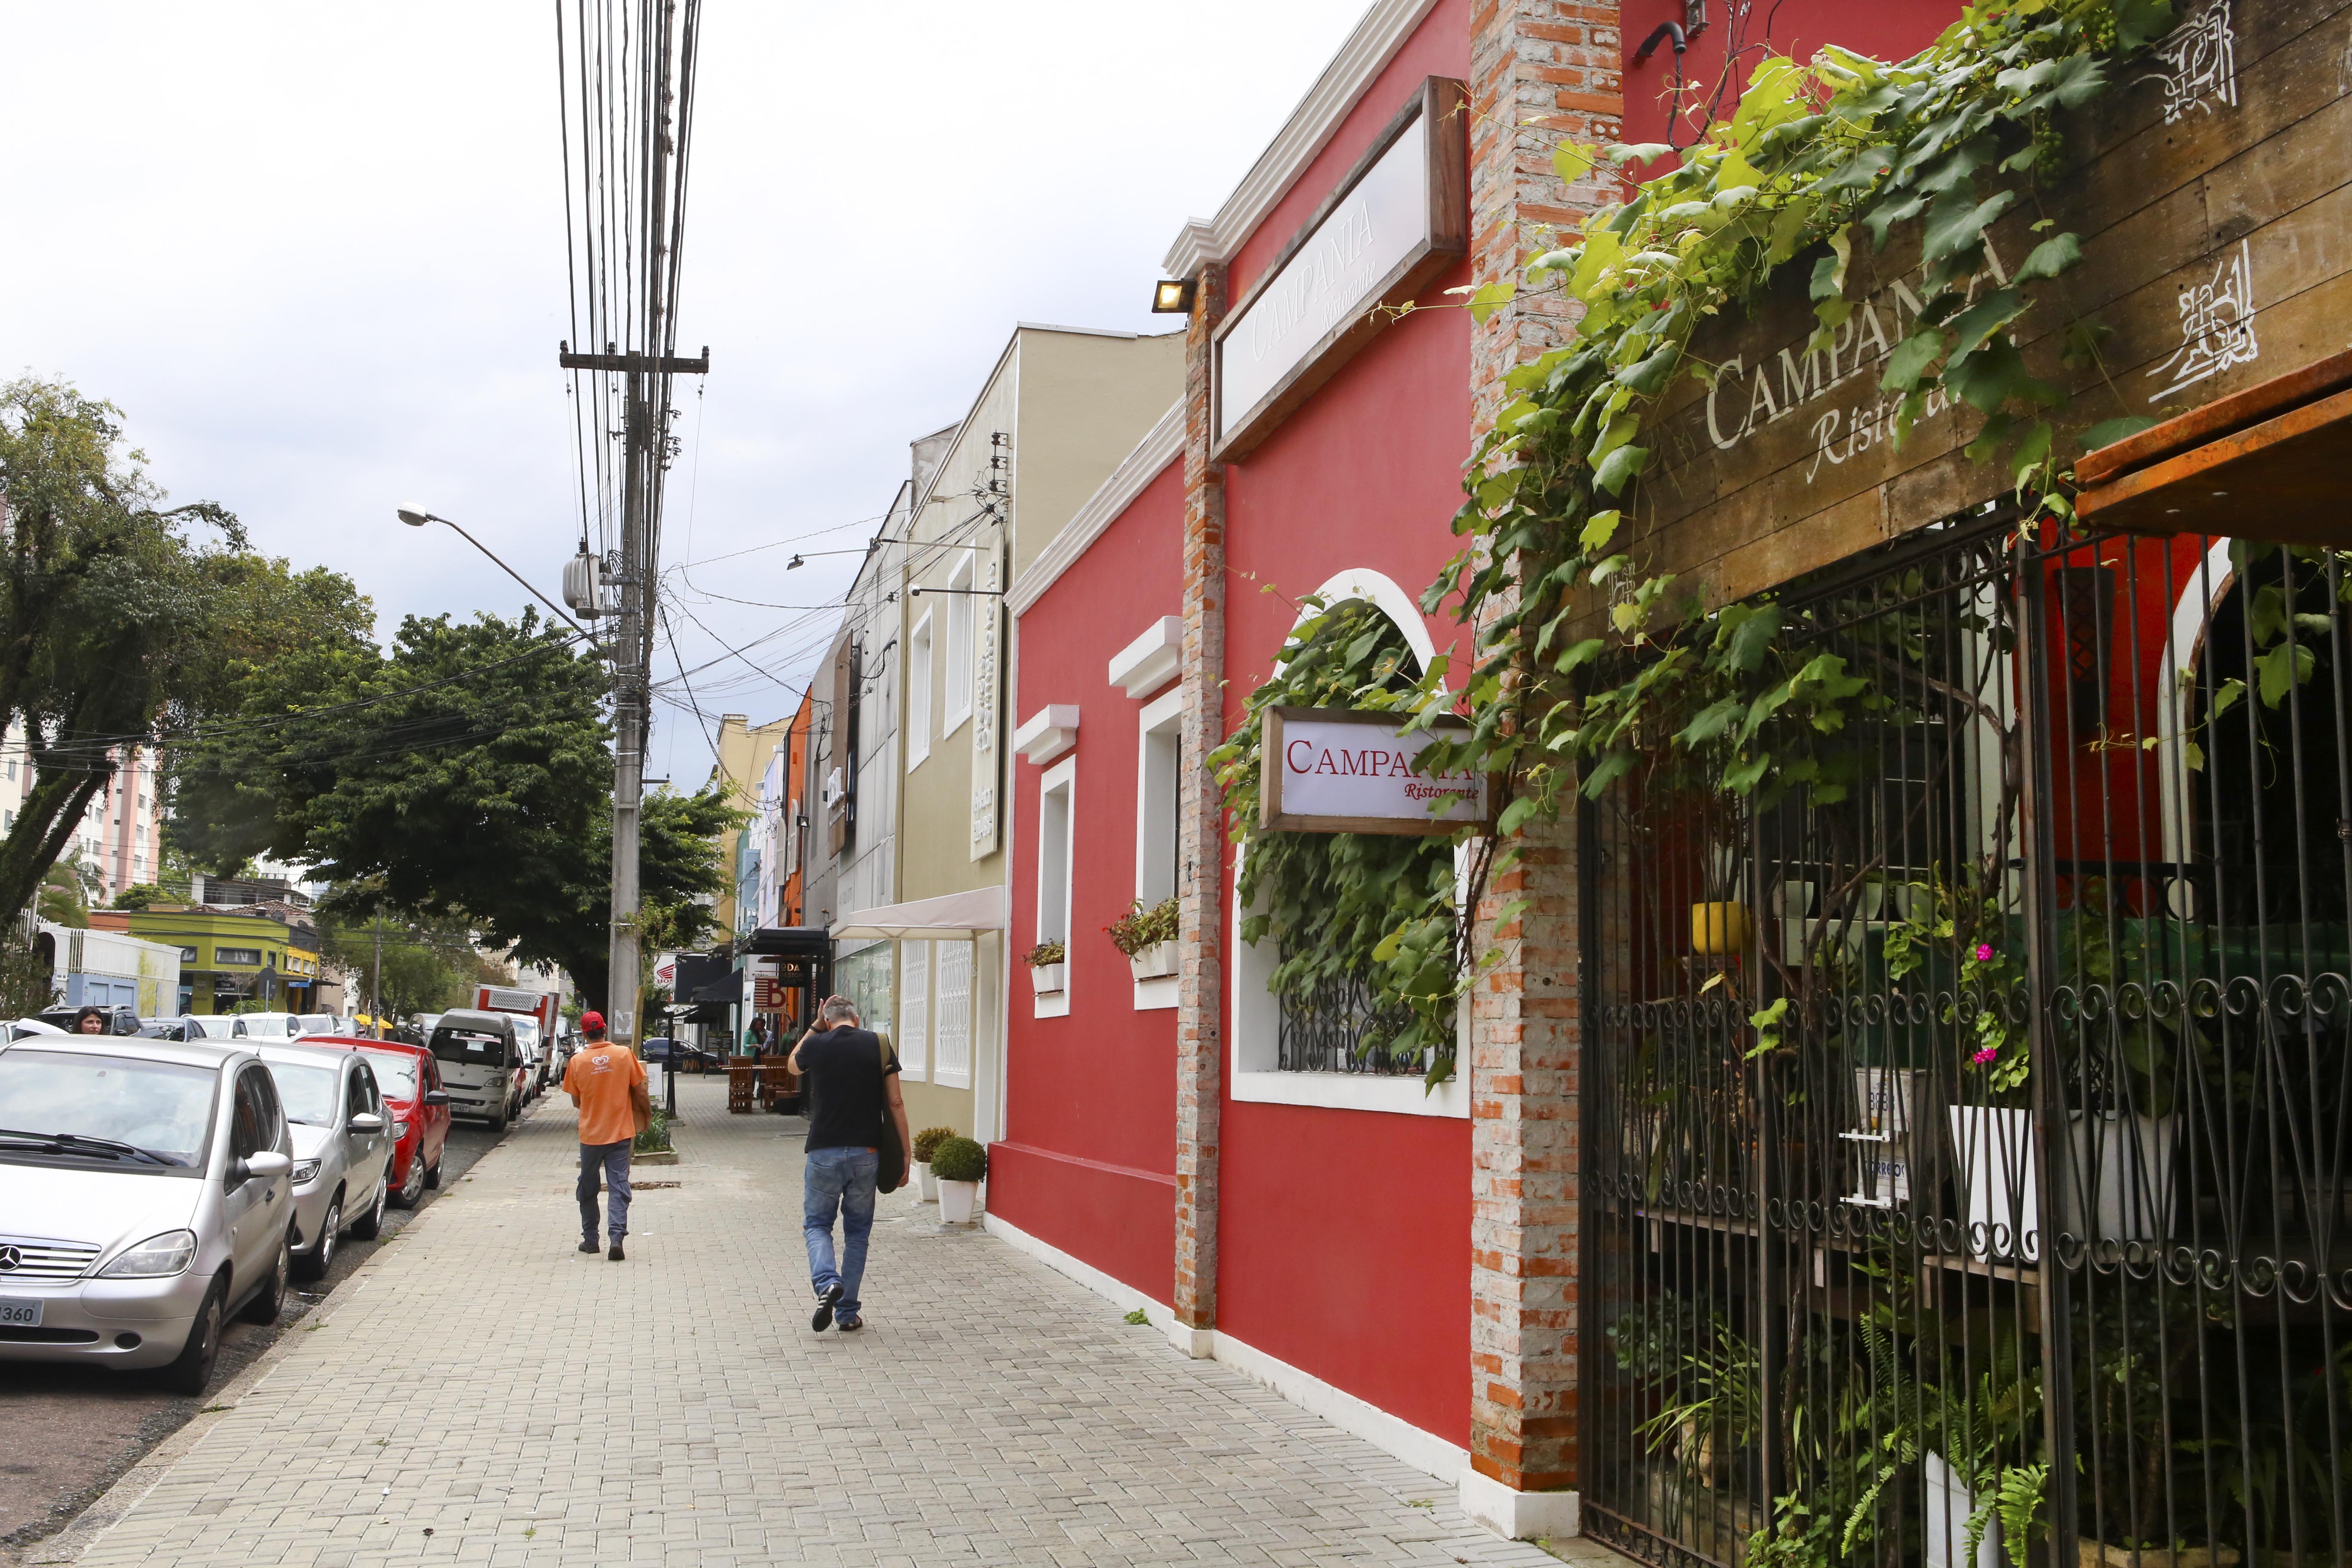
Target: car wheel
<point>271,1300</point>
<point>314,1263</point>
<point>497,1120</point>
<point>413,1192</point>
<point>433,1171</point>
<point>191,1371</point>
<point>370,1224</point>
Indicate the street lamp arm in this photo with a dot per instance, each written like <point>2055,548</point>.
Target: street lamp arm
<point>405,516</point>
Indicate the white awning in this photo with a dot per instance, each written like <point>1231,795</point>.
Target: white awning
<point>950,915</point>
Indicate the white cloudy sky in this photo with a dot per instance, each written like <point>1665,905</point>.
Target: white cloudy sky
<point>315,253</point>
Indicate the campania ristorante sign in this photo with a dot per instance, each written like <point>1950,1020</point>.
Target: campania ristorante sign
<point>2213,193</point>
<point>1345,769</point>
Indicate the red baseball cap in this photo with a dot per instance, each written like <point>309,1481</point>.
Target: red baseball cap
<point>591,1019</point>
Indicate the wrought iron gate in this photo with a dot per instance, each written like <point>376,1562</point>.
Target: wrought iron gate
<point>1965,1149</point>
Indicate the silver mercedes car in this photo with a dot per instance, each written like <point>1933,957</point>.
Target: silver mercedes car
<point>145,1194</point>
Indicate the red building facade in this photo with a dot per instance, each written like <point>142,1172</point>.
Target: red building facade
<point>1402,1261</point>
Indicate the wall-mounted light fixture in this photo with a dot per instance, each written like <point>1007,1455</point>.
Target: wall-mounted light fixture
<point>1172,297</point>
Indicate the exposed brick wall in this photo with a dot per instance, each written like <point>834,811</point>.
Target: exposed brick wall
<point>1199,1033</point>
<point>1544,72</point>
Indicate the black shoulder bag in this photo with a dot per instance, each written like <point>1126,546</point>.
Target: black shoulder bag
<point>891,1173</point>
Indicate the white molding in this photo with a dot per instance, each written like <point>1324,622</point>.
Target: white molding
<point>907,728</point>
<point>1048,733</point>
<point>1393,1435</point>
<point>1152,660</point>
<point>1516,1515</point>
<point>1151,995</point>
<point>1050,1004</point>
<point>1160,713</point>
<point>1381,591</point>
<point>1367,53</point>
<point>1161,445</point>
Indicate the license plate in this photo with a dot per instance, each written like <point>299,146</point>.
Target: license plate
<point>15,1312</point>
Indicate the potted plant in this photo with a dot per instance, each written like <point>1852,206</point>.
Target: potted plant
<point>1045,967</point>
<point>960,1165</point>
<point>1148,937</point>
<point>927,1144</point>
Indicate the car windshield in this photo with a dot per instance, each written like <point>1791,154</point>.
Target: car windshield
<point>311,1094</point>
<point>469,1047</point>
<point>527,1032</point>
<point>163,1110</point>
<point>317,1023</point>
<point>214,1028</point>
<point>396,1073</point>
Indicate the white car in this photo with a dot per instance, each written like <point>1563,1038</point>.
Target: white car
<point>343,1141</point>
<point>266,1026</point>
<point>145,1194</point>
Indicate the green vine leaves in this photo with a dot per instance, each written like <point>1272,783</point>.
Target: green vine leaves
<point>1585,657</point>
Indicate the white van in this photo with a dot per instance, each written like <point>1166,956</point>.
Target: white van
<point>477,1056</point>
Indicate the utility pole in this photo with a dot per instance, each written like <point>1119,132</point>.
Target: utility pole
<point>376,986</point>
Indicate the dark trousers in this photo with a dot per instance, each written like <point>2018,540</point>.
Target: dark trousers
<point>611,1161</point>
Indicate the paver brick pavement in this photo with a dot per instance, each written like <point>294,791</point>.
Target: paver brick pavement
<point>483,1394</point>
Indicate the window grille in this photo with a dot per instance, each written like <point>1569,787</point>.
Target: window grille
<point>952,1028</point>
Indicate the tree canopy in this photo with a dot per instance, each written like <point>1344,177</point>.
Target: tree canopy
<point>466,775</point>
<point>121,620</point>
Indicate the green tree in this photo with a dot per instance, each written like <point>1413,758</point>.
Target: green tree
<point>466,776</point>
<point>139,896</point>
<point>118,626</point>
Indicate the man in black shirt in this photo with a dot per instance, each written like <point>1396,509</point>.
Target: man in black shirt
<point>849,1081</point>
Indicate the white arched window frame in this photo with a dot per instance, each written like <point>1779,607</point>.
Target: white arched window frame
<point>2184,645</point>
<point>1257,1016</point>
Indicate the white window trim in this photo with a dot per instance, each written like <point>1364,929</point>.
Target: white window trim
<point>956,700</point>
<point>920,656</point>
<point>915,1045</point>
<point>1257,1016</point>
<point>1158,716</point>
<point>1062,775</point>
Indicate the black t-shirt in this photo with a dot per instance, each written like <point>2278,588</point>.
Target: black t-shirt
<point>843,1069</point>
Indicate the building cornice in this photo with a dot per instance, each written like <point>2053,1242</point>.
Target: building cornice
<point>1368,51</point>
<point>1160,446</point>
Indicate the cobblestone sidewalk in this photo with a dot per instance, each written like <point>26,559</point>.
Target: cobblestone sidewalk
<point>483,1394</point>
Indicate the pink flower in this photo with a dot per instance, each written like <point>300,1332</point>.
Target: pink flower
<point>1984,1056</point>
<point>1984,952</point>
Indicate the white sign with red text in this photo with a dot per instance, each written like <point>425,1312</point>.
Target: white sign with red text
<point>1339,770</point>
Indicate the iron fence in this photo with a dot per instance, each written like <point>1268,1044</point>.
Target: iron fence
<point>1966,1138</point>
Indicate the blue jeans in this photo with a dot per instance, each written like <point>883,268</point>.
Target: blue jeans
<point>609,1160</point>
<point>839,1179</point>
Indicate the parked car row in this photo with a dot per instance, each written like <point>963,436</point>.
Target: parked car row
<point>150,1187</point>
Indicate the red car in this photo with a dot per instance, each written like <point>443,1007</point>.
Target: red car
<point>410,1080</point>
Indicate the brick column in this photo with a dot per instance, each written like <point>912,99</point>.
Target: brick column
<point>1200,1032</point>
<point>1544,72</point>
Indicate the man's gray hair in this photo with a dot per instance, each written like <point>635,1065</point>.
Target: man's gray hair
<point>838,1009</point>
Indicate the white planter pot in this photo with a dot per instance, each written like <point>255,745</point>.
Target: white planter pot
<point>1046,978</point>
<point>927,1183</point>
<point>1949,1504</point>
<point>2003,1195</point>
<point>956,1199</point>
<point>2125,1160</point>
<point>1154,963</point>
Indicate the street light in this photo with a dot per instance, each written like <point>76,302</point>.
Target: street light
<point>417,517</point>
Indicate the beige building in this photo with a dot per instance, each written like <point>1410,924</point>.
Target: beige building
<point>1059,412</point>
<point>119,840</point>
<point>744,753</point>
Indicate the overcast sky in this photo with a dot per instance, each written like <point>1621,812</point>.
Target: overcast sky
<point>315,254</point>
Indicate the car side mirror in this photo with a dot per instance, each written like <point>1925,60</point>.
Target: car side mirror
<point>436,1097</point>
<point>266,1164</point>
<point>367,1122</point>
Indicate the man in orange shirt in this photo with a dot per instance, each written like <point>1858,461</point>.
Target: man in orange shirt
<point>608,1084</point>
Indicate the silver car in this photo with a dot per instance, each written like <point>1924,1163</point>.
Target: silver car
<point>145,1194</point>
<point>342,1149</point>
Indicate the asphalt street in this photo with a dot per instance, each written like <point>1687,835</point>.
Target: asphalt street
<point>75,1431</point>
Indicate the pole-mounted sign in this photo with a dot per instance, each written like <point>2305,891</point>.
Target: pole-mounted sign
<point>1347,770</point>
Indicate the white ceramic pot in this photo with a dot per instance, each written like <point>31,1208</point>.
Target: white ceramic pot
<point>1046,978</point>
<point>2004,1198</point>
<point>1154,963</point>
<point>1949,1504</point>
<point>956,1199</point>
<point>929,1184</point>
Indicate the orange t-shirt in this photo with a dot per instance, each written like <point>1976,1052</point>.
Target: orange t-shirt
<point>600,1077</point>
